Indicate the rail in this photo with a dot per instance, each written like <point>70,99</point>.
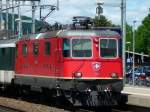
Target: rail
<point>8,109</point>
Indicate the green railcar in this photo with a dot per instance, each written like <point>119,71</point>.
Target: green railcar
<point>7,58</point>
<point>7,54</point>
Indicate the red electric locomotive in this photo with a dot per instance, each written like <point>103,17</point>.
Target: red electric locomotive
<point>83,66</point>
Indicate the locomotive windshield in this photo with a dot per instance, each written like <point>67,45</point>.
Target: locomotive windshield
<point>81,48</point>
<point>108,48</point>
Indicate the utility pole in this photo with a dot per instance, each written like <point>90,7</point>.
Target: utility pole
<point>133,72</point>
<point>57,4</point>
<point>19,22</point>
<point>123,24</point>
<point>1,14</point>
<point>13,18</point>
<point>7,10</point>
<point>33,16</point>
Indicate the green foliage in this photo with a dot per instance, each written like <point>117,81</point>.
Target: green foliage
<point>143,36</point>
<point>129,35</point>
<point>102,22</point>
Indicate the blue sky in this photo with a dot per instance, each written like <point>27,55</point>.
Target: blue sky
<point>136,10</point>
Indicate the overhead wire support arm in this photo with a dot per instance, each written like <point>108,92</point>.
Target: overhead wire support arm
<point>52,8</point>
<point>10,7</point>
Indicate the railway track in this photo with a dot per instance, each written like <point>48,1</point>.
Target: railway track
<point>8,109</point>
<point>38,103</point>
<point>52,108</point>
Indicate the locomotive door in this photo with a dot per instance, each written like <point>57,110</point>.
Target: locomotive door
<point>57,58</point>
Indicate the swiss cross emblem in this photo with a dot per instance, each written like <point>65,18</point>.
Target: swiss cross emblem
<point>96,66</point>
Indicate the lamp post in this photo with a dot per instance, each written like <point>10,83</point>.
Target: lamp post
<point>19,21</point>
<point>33,17</point>
<point>133,72</point>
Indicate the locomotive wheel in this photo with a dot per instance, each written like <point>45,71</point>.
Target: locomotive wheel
<point>62,101</point>
<point>122,99</point>
<point>93,99</point>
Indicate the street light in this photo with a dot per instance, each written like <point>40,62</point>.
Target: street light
<point>133,73</point>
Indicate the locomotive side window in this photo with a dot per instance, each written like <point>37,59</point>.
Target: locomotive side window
<point>35,49</point>
<point>24,49</point>
<point>108,48</point>
<point>81,48</point>
<point>66,48</point>
<point>47,48</point>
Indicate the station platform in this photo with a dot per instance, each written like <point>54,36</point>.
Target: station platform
<point>138,96</point>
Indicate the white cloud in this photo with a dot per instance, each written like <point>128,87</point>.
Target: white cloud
<point>137,12</point>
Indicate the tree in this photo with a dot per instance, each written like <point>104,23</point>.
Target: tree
<point>143,36</point>
<point>129,37</point>
<point>102,22</point>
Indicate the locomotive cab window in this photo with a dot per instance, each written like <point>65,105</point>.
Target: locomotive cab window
<point>108,48</point>
<point>35,49</point>
<point>66,47</point>
<point>47,48</point>
<point>81,48</point>
<point>24,49</point>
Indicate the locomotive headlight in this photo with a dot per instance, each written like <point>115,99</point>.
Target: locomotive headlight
<point>77,74</point>
<point>114,75</point>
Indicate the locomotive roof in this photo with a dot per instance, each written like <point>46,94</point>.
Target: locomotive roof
<point>65,33</point>
<point>8,43</point>
<point>103,33</point>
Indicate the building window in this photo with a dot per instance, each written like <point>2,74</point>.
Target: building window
<point>24,49</point>
<point>36,48</point>
<point>47,48</point>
